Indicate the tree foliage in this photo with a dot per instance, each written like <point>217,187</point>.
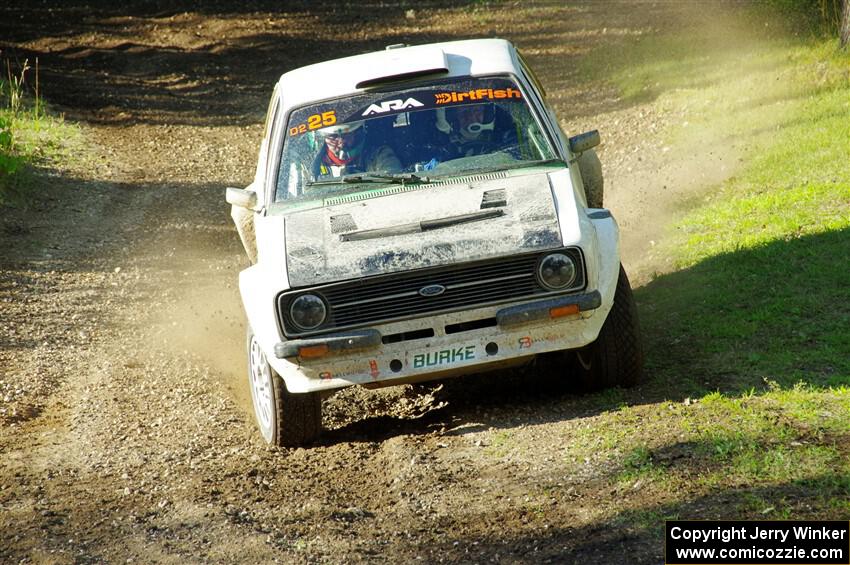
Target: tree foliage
<point>827,17</point>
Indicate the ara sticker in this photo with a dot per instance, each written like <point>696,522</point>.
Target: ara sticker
<point>477,94</point>
<point>444,357</point>
<point>390,105</point>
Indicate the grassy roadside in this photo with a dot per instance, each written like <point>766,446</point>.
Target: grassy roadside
<point>748,339</point>
<point>761,288</point>
<point>30,136</point>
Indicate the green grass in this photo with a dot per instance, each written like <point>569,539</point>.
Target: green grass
<point>30,136</point>
<point>781,453</point>
<point>761,288</point>
<point>501,443</point>
<point>753,322</point>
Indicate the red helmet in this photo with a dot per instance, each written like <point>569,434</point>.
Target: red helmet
<point>344,141</point>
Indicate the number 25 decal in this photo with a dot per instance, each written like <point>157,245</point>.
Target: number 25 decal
<point>315,121</point>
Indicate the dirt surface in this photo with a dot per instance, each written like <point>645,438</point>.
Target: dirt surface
<point>126,433</point>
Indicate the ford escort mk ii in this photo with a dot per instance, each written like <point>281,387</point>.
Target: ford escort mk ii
<point>418,213</point>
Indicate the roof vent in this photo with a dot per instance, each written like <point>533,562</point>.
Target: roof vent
<point>415,62</point>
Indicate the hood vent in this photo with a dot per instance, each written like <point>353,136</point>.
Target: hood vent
<point>494,198</point>
<point>373,194</point>
<point>342,223</point>
<point>472,178</point>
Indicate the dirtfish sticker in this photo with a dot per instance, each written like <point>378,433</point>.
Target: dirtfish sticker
<point>444,357</point>
<point>477,94</point>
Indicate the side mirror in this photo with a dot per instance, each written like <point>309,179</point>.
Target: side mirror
<point>241,197</point>
<point>584,141</point>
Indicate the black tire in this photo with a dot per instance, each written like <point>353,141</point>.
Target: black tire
<point>285,419</point>
<point>616,357</point>
<point>591,177</point>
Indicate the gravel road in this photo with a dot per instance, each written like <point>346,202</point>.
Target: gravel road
<point>125,427</point>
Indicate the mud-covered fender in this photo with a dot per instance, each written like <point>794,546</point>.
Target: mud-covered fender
<point>259,286</point>
<point>263,281</point>
<point>595,231</point>
<point>258,299</point>
<point>608,254</point>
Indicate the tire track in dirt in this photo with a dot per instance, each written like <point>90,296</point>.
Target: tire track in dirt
<point>141,432</point>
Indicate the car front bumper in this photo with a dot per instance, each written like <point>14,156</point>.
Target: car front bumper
<point>510,334</point>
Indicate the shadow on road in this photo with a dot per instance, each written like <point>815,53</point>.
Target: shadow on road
<point>736,323</point>
<point>636,535</point>
<point>215,63</point>
<point>185,63</point>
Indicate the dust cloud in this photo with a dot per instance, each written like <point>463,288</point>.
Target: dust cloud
<point>198,316</point>
<point>670,148</point>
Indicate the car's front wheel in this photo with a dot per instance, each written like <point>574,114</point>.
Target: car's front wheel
<point>614,359</point>
<point>285,419</point>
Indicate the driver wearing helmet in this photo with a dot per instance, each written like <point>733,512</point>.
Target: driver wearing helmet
<point>344,150</point>
<point>473,129</point>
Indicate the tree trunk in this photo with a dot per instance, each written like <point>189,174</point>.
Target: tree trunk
<point>844,32</point>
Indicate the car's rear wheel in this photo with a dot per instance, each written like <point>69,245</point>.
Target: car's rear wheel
<point>285,419</point>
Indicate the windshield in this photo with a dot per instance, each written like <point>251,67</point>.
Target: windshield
<point>454,126</point>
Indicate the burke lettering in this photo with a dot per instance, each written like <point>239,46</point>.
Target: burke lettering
<point>444,357</point>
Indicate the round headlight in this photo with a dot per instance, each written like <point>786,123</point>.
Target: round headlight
<point>308,311</point>
<point>557,271</point>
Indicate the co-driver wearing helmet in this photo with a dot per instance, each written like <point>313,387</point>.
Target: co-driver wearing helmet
<point>344,150</point>
<point>473,130</point>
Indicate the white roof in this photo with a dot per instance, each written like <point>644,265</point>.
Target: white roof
<point>342,76</point>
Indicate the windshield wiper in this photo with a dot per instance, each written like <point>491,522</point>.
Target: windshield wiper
<point>395,178</point>
<point>495,168</point>
<point>526,164</point>
<point>392,178</point>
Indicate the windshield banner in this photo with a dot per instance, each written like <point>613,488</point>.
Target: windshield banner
<point>461,92</point>
<point>446,94</point>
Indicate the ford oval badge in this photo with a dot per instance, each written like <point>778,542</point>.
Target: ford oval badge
<point>432,290</point>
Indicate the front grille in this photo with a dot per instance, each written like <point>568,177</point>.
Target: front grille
<point>386,298</point>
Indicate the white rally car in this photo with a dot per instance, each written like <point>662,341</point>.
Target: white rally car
<point>417,213</point>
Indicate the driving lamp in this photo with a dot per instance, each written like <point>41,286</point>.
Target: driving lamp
<point>557,271</point>
<point>308,312</point>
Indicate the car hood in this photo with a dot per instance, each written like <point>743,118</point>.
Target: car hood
<point>404,228</point>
